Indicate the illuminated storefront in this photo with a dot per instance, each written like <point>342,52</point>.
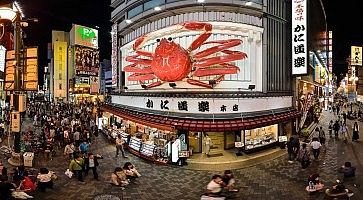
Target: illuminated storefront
<point>203,72</point>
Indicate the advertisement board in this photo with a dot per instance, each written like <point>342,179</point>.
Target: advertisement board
<point>356,55</point>
<point>230,58</point>
<point>2,58</point>
<point>299,37</point>
<point>60,69</point>
<point>9,70</point>
<point>114,55</point>
<point>94,84</point>
<point>15,122</point>
<point>87,61</point>
<point>85,36</point>
<point>31,69</point>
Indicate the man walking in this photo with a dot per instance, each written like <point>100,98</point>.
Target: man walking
<point>119,146</point>
<point>315,145</point>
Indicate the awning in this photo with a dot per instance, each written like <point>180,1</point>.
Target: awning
<point>173,123</point>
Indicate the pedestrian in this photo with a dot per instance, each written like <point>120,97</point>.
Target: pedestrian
<point>304,156</point>
<point>344,132</point>
<point>92,163</point>
<point>207,144</point>
<point>322,136</point>
<point>214,187</point>
<point>316,133</point>
<point>119,146</point>
<point>290,150</point>
<point>84,147</point>
<point>315,145</point>
<point>229,181</point>
<point>345,117</point>
<point>331,124</point>
<point>338,110</point>
<point>45,179</point>
<point>77,166</point>
<point>118,178</point>
<point>69,150</point>
<point>336,129</point>
<point>355,129</point>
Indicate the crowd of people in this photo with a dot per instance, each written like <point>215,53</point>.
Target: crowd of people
<point>63,127</point>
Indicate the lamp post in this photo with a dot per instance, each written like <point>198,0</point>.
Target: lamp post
<point>15,16</point>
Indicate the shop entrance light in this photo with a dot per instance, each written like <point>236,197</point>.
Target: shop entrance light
<point>128,21</point>
<point>249,3</point>
<point>200,1</point>
<point>157,8</point>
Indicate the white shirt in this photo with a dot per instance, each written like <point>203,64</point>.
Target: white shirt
<point>214,187</point>
<point>315,144</point>
<point>91,163</point>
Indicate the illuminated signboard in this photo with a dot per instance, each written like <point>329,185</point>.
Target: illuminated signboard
<point>85,36</point>
<point>299,38</point>
<point>60,69</point>
<point>2,58</point>
<point>87,61</point>
<point>166,65</point>
<point>114,55</point>
<point>31,69</point>
<point>94,85</point>
<point>356,55</point>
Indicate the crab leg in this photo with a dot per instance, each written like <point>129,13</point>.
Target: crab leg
<point>136,60</point>
<point>199,83</point>
<point>216,71</point>
<point>134,69</point>
<point>198,26</point>
<point>225,44</point>
<point>220,59</point>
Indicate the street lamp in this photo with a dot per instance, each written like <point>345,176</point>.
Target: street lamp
<point>7,14</point>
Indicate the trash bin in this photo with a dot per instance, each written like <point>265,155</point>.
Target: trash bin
<point>28,159</point>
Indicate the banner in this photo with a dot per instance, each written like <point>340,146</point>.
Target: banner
<point>87,61</point>
<point>299,32</point>
<point>114,55</point>
<point>85,36</point>
<point>60,69</point>
<point>94,88</point>
<point>356,55</point>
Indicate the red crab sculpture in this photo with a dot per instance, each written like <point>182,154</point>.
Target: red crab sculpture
<point>170,62</point>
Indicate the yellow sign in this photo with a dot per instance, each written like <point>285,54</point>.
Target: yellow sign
<point>356,55</point>
<point>31,70</point>
<point>60,69</point>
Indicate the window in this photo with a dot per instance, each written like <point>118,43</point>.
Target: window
<point>60,76</point>
<point>152,4</point>
<point>135,11</point>
<point>60,86</point>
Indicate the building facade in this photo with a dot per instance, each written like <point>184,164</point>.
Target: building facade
<point>186,70</point>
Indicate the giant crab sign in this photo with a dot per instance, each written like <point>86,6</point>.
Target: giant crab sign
<point>170,62</point>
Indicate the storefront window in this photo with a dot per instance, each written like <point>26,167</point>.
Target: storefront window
<point>261,136</point>
<point>195,142</point>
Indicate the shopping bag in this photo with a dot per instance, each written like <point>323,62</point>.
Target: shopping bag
<point>68,173</point>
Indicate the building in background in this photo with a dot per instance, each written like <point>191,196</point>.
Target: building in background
<point>74,66</point>
<point>105,70</point>
<point>237,89</point>
<point>84,64</point>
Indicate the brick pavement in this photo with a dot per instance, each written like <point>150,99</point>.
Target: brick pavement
<point>275,179</point>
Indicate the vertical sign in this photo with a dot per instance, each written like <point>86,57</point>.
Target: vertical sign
<point>330,50</point>
<point>15,122</point>
<point>10,70</point>
<point>299,31</point>
<point>31,69</point>
<point>94,85</point>
<point>114,55</point>
<point>356,55</point>
<point>2,58</point>
<point>60,70</point>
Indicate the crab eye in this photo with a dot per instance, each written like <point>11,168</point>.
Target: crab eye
<point>158,40</point>
<point>170,39</point>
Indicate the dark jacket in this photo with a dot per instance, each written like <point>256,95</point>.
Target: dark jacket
<point>95,158</point>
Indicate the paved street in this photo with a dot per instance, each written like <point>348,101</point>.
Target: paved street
<point>274,179</point>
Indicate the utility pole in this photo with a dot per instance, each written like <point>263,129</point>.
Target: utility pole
<point>16,158</point>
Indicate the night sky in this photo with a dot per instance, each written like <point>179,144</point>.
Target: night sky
<point>59,15</point>
<point>344,19</point>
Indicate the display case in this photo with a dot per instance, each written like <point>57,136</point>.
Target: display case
<point>147,149</point>
<point>260,137</point>
<point>135,144</point>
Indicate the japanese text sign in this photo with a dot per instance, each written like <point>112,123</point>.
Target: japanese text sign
<point>299,38</point>
<point>356,55</point>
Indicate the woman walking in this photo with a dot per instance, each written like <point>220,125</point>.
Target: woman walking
<point>355,132</point>
<point>304,156</point>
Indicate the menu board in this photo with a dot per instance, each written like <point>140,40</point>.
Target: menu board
<point>147,149</point>
<point>135,144</point>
